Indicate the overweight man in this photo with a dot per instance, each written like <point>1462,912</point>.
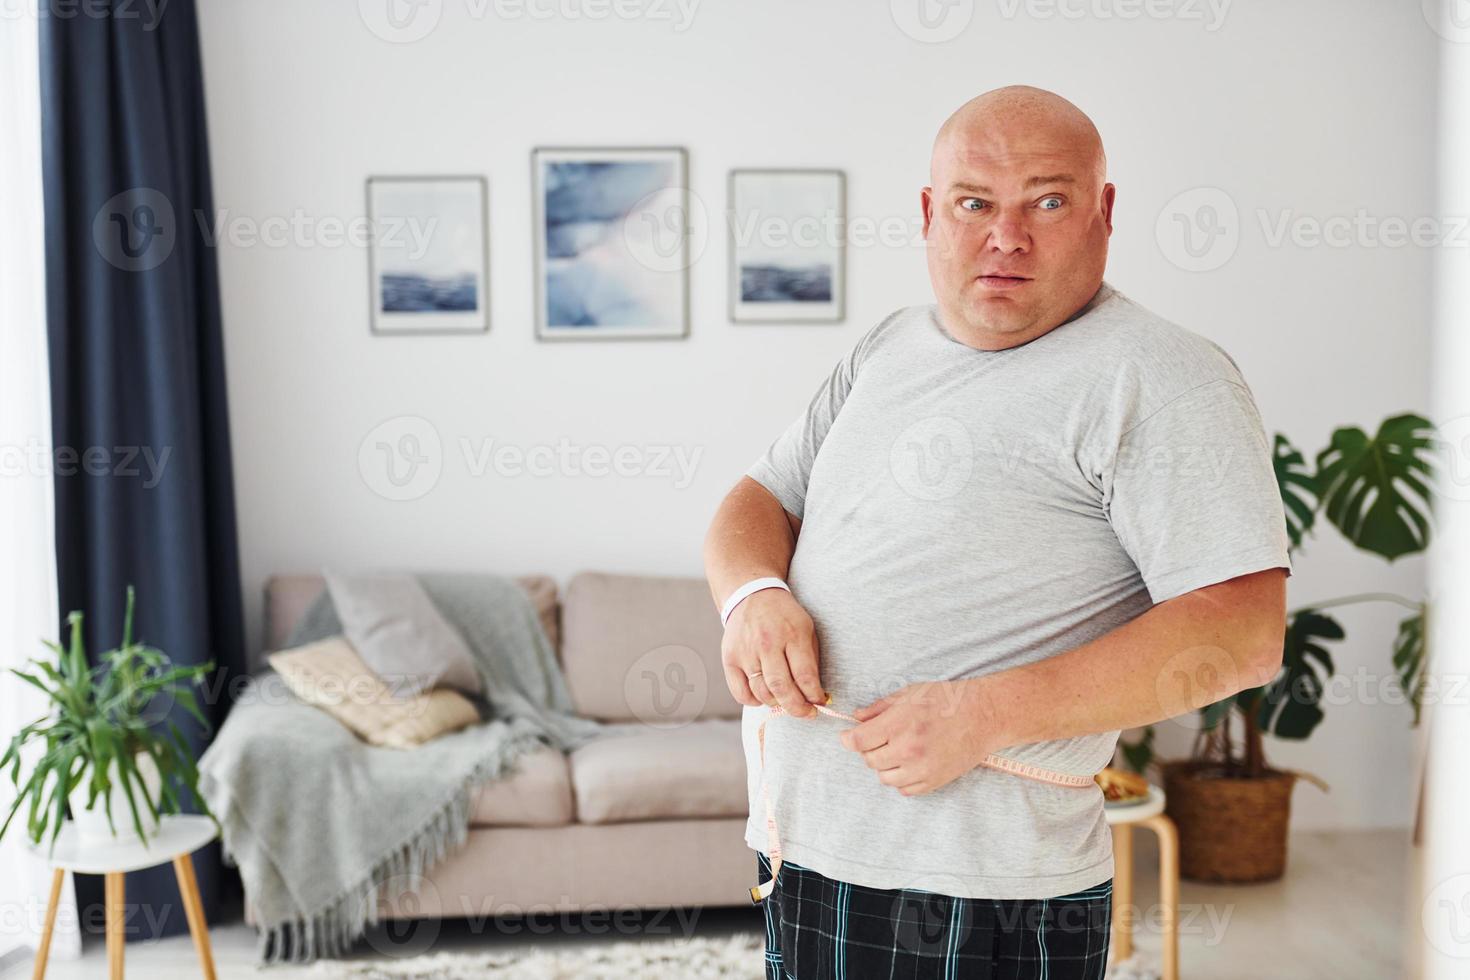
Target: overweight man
<point>1011,522</point>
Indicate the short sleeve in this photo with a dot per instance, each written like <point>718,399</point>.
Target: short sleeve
<point>1193,496</point>
<point>787,465</point>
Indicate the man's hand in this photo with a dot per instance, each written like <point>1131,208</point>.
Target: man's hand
<point>772,638</point>
<point>925,735</point>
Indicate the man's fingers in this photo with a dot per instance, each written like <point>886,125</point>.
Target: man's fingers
<point>739,687</point>
<point>870,710</point>
<point>883,757</point>
<point>801,656</point>
<point>868,735</point>
<point>777,675</point>
<point>761,691</point>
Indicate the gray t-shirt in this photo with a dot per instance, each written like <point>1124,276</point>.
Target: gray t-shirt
<point>967,511</point>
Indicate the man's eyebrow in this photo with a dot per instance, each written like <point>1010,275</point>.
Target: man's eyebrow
<point>1031,182</point>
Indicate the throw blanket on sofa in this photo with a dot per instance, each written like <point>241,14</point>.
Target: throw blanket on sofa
<point>317,820</point>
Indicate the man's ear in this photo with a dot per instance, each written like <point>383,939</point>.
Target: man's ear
<point>1109,194</point>
<point>926,205</point>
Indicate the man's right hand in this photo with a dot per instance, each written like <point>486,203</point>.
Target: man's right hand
<point>770,654</point>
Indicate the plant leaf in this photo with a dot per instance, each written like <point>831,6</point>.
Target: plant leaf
<point>1375,491</point>
<point>1290,707</point>
<point>1409,657</point>
<point>1298,487</point>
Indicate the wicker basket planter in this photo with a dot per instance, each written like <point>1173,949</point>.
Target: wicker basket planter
<point>1231,829</point>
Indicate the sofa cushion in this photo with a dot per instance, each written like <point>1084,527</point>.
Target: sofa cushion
<point>538,793</point>
<point>288,597</point>
<point>695,770</point>
<point>643,648</point>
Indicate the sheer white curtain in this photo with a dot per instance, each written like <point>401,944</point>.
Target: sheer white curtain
<point>27,557</point>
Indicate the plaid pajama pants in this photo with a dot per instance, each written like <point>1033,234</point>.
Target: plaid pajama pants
<point>821,929</point>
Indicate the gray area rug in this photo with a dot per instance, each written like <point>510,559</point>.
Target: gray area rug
<point>684,959</point>
<point>740,957</point>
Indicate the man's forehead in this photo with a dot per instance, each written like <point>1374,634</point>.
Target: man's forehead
<point>1026,168</point>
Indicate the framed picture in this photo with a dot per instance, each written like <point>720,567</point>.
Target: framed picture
<point>611,243</point>
<point>427,261</point>
<point>787,238</point>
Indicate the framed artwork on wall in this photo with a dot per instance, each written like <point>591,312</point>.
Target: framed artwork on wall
<point>611,242</point>
<point>787,245</point>
<point>428,255</point>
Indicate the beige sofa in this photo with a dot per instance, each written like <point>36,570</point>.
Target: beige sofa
<point>650,820</point>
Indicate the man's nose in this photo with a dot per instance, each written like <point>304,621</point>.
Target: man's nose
<point>1008,233</point>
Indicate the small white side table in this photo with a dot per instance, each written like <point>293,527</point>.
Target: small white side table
<point>177,838</point>
<point>1150,814</point>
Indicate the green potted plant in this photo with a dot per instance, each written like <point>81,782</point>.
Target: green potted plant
<point>1231,806</point>
<point>99,743</point>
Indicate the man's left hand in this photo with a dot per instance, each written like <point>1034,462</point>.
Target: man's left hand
<point>925,735</point>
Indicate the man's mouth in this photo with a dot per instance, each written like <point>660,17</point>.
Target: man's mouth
<point>1003,280</point>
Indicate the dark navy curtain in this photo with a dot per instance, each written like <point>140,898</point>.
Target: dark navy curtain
<point>144,491</point>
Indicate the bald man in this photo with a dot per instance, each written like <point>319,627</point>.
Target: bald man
<point>1013,521</point>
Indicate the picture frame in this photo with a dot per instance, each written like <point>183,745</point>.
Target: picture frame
<point>610,242</point>
<point>787,245</point>
<point>428,254</point>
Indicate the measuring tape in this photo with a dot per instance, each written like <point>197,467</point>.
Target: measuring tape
<point>773,837</point>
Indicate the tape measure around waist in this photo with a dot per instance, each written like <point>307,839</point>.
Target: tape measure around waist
<point>992,761</point>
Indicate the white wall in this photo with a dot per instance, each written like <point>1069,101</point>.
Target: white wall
<point>1316,108</point>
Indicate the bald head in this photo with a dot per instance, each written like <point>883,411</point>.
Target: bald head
<point>1002,117</point>
<point>1016,217</point>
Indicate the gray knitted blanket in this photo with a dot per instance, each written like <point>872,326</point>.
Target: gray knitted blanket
<point>317,820</point>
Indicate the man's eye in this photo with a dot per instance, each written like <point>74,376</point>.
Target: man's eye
<point>1050,203</point>
<point>972,204</point>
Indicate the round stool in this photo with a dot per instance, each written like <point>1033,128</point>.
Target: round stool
<point>1122,819</point>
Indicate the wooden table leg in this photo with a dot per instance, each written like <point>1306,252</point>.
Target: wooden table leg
<point>1122,939</point>
<point>116,899</point>
<point>1168,890</point>
<point>58,877</point>
<point>194,909</point>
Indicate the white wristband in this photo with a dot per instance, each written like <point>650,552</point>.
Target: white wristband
<point>747,590</point>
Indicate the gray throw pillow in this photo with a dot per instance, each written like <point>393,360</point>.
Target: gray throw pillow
<point>396,630</point>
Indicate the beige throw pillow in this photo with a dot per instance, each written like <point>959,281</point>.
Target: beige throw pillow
<point>330,675</point>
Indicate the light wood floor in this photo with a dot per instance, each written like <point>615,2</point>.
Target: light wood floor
<point>1339,914</point>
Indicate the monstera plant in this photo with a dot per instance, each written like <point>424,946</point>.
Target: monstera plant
<point>1375,490</point>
